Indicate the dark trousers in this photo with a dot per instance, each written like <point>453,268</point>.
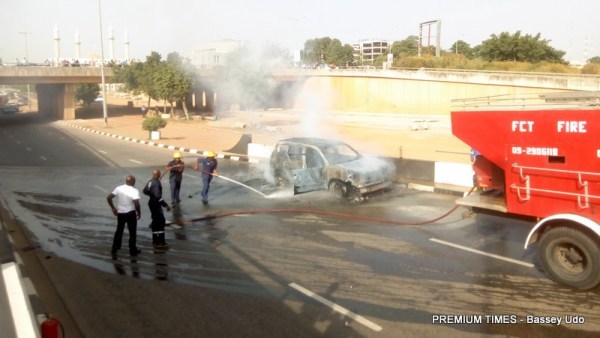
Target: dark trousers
<point>175,189</point>
<point>158,223</point>
<point>205,186</point>
<point>131,220</point>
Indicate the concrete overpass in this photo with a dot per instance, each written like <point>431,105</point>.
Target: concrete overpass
<point>395,91</point>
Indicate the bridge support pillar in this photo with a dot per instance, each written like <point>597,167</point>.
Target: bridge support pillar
<point>56,101</point>
<point>69,102</point>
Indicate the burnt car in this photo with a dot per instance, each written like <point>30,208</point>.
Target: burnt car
<point>309,164</point>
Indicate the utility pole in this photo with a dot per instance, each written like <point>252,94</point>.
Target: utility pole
<point>104,111</point>
<point>26,62</point>
<point>26,46</point>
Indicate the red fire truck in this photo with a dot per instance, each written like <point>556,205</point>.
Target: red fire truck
<point>539,156</point>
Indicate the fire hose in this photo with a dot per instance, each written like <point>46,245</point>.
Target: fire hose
<point>322,213</point>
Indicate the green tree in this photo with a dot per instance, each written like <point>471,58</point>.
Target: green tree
<point>519,48</point>
<point>595,60</point>
<point>185,79</point>
<point>461,47</point>
<point>138,77</point>
<point>406,47</point>
<point>87,93</point>
<point>326,51</point>
<point>168,80</point>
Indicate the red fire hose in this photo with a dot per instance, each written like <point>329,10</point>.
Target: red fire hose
<point>319,212</point>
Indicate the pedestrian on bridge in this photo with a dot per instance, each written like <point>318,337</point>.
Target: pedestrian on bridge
<point>154,190</point>
<point>127,212</point>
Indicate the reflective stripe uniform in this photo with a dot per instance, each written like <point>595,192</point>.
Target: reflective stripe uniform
<point>156,203</point>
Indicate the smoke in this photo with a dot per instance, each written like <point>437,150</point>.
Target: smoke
<point>247,76</point>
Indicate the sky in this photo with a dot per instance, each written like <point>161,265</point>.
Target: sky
<point>28,26</point>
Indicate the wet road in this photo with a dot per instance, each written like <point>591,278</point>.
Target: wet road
<point>276,272</point>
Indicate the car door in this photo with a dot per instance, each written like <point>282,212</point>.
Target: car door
<point>307,170</point>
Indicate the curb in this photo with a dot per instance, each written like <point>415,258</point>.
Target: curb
<point>232,157</point>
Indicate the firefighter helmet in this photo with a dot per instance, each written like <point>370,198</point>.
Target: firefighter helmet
<point>177,155</point>
<point>209,153</point>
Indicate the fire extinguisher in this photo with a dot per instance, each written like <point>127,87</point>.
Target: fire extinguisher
<point>50,326</point>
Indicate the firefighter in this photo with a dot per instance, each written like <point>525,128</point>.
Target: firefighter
<point>154,190</point>
<point>175,168</point>
<point>127,211</point>
<point>209,168</point>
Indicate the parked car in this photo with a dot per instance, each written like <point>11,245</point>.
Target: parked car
<point>10,108</point>
<point>310,164</point>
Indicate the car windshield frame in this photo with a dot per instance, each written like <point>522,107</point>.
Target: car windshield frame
<point>337,153</point>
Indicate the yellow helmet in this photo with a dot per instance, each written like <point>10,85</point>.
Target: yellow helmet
<point>209,153</point>
<point>177,155</point>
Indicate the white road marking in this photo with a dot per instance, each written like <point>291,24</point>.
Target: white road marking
<point>18,303</point>
<point>529,265</point>
<point>102,151</point>
<point>337,308</point>
<point>28,149</point>
<point>101,189</point>
<point>43,158</point>
<point>134,161</point>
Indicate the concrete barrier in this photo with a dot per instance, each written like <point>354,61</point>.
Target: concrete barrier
<point>459,174</point>
<point>259,151</point>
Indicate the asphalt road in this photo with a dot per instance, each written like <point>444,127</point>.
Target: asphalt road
<point>256,266</point>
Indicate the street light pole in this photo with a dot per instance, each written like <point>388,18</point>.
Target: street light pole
<point>26,47</point>
<point>26,62</point>
<point>104,110</point>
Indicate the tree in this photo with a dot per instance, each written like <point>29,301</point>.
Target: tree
<point>406,47</point>
<point>326,51</point>
<point>87,93</point>
<point>138,77</point>
<point>170,83</point>
<point>461,47</point>
<point>515,47</point>
<point>594,60</point>
<point>169,80</point>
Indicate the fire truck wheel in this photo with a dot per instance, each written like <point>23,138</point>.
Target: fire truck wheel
<point>571,257</point>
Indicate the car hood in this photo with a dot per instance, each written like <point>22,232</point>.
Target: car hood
<point>372,166</point>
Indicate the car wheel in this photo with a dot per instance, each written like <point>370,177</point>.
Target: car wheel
<point>338,189</point>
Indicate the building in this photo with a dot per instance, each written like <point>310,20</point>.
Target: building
<point>213,54</point>
<point>366,51</point>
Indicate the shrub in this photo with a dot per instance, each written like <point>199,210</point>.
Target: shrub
<point>591,68</point>
<point>154,123</point>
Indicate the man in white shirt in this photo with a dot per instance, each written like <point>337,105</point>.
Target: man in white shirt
<point>127,211</point>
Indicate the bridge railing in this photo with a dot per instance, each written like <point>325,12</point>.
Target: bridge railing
<point>525,79</point>
<point>521,79</point>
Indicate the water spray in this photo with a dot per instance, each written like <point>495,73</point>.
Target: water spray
<point>233,181</point>
<point>240,183</point>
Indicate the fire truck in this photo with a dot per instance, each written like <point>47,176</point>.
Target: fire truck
<point>538,155</point>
